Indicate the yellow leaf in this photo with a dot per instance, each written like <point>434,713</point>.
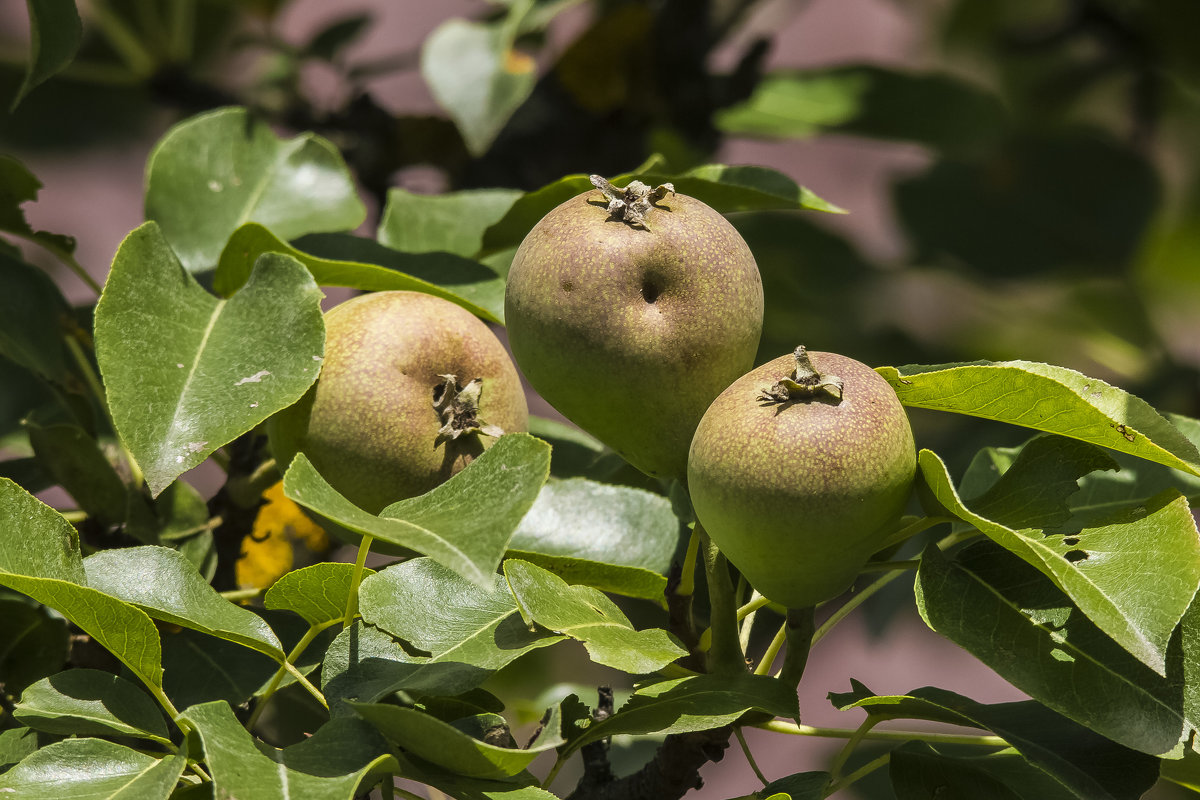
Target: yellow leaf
<point>282,535</point>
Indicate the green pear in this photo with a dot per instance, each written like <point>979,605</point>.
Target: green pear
<point>412,388</point>
<point>629,311</point>
<point>799,471</point>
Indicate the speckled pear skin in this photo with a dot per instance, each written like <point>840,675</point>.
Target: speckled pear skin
<point>799,495</point>
<point>372,428</point>
<point>630,332</point>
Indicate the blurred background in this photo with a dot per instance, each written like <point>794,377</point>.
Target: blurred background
<point>1019,177</point>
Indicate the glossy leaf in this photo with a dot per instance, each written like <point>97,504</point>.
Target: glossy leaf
<point>476,76</point>
<point>165,585</point>
<point>453,222</point>
<point>186,372</point>
<point>90,702</point>
<point>35,643</point>
<point>93,769</point>
<point>1014,620</point>
<point>1088,764</point>
<point>1047,398</point>
<point>330,764</point>
<point>464,524</point>
<point>54,35</point>
<point>934,109</point>
<point>344,260</point>
<point>1133,573</point>
<point>725,188</point>
<point>613,538</point>
<point>33,313</point>
<point>77,464</point>
<point>452,619</point>
<point>17,187</point>
<point>698,703</point>
<point>215,172</point>
<point>443,744</point>
<point>318,593</point>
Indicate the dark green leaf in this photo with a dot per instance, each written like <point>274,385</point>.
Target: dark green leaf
<point>328,42</point>
<point>1047,398</point>
<point>933,109</point>
<point>33,319</point>
<point>79,466</point>
<point>477,77</point>
<point>33,644</point>
<point>801,786</point>
<point>613,538</point>
<point>330,765</point>
<point>462,787</point>
<point>89,702</point>
<point>1086,763</point>
<point>589,616</point>
<point>1013,619</point>
<point>1133,573</point>
<point>54,35</point>
<point>452,222</point>
<point>15,744</point>
<point>186,372</point>
<point>573,452</point>
<point>215,172</point>
<point>919,772</point>
<point>362,264</point>
<point>318,593</point>
<point>19,186</point>
<point>448,617</point>
<point>464,524</point>
<point>93,769</point>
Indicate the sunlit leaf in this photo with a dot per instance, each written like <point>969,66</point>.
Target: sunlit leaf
<point>318,593</point>
<point>453,222</point>
<point>93,769</point>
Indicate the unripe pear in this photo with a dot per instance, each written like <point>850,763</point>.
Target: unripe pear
<point>629,311</point>
<point>397,409</point>
<point>799,471</point>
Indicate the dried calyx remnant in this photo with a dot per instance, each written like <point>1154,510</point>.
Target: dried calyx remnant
<point>458,406</point>
<point>632,203</point>
<point>804,382</point>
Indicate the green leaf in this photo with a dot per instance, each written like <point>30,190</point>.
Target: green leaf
<point>1014,620</point>
<point>919,772</point>
<point>1047,398</point>
<point>1133,573</point>
<point>726,188</point>
<point>77,464</point>
<point>462,787</point>
<point>697,703</point>
<point>18,186</point>
<point>185,372</point>
<point>89,702</point>
<point>464,524</point>
<point>33,644</point>
<point>453,222</point>
<point>16,744</point>
<point>801,786</point>
<point>476,76</point>
<point>34,317</point>
<point>362,264</point>
<point>93,769</point>
<point>587,615</point>
<point>54,35</point>
<point>1086,763</point>
<point>453,620</point>
<point>573,452</point>
<point>318,593</point>
<point>443,744</point>
<point>364,664</point>
<point>331,764</point>
<point>934,109</point>
<point>328,42</point>
<point>37,541</point>
<point>165,585</point>
<point>613,538</point>
<point>217,171</point>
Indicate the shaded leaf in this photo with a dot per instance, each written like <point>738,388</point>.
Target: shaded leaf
<point>801,786</point>
<point>919,772</point>
<point>344,260</point>
<point>452,619</point>
<point>328,42</point>
<point>33,318</point>
<point>476,76</point>
<point>54,35</point>
<point>89,702</point>
<point>185,372</point>
<point>1084,762</point>
<point>165,585</point>
<point>17,187</point>
<point>464,524</point>
<point>77,464</point>
<point>613,538</point>
<point>589,616</point>
<point>1047,398</point>
<point>453,222</point>
<point>318,593</point>
<point>93,769</point>
<point>34,643</point>
<point>217,171</point>
<point>573,452</point>
<point>15,744</point>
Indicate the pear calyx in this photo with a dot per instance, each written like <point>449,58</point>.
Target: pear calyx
<point>804,382</point>
<point>458,406</point>
<point>632,203</point>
